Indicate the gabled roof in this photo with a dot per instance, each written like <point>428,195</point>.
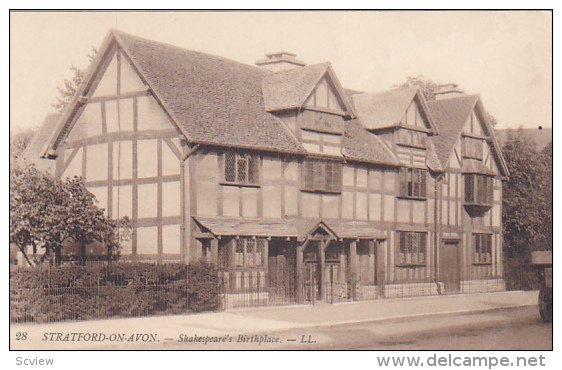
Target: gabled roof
<point>450,116</point>
<point>289,89</point>
<point>361,145</point>
<point>212,100</point>
<point>34,150</point>
<point>387,108</point>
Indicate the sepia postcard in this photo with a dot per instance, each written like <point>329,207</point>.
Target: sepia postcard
<point>282,180</point>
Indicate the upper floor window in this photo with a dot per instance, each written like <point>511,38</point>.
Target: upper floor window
<point>413,182</point>
<point>482,248</point>
<point>411,248</point>
<point>322,176</point>
<point>472,148</point>
<point>241,168</point>
<point>478,189</point>
<point>411,138</point>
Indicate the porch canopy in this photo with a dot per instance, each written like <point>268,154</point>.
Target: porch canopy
<point>301,229</point>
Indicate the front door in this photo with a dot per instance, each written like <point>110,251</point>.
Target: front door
<point>449,266</point>
<point>312,278</point>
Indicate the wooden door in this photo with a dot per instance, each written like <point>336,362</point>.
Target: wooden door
<point>449,266</point>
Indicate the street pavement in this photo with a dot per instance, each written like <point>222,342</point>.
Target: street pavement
<point>253,328</point>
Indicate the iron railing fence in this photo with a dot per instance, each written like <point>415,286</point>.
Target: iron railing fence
<point>163,290</point>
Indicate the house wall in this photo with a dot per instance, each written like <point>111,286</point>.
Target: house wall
<point>127,150</point>
<point>459,220</point>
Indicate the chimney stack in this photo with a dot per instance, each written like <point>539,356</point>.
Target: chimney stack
<point>447,91</point>
<point>280,61</point>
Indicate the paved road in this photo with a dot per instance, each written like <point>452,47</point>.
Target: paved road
<point>505,329</point>
<point>499,330</point>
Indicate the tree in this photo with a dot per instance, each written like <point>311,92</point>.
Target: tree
<point>426,85</point>
<point>428,88</point>
<point>47,213</point>
<point>19,142</point>
<point>524,206</point>
<point>70,86</point>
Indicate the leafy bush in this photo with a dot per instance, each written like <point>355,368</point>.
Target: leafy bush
<point>121,289</point>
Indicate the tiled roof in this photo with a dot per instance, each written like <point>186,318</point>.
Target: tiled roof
<point>361,145</point>
<point>229,226</point>
<point>248,227</point>
<point>383,109</point>
<point>34,150</point>
<point>355,229</point>
<point>290,89</point>
<point>432,160</point>
<point>450,116</point>
<point>215,100</point>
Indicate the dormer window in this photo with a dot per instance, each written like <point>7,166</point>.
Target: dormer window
<point>241,169</point>
<point>411,138</point>
<point>472,148</point>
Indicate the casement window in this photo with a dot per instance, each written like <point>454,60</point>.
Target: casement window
<point>482,248</point>
<point>478,189</point>
<point>411,248</point>
<point>411,138</point>
<point>241,168</point>
<point>413,183</point>
<point>472,148</point>
<point>322,176</point>
<point>248,252</point>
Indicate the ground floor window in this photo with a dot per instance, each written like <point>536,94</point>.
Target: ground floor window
<point>482,248</point>
<point>249,252</point>
<point>411,248</point>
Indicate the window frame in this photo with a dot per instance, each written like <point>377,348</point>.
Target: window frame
<point>251,160</point>
<point>480,241</point>
<point>315,176</point>
<point>248,245</point>
<point>407,183</point>
<point>476,190</point>
<point>420,249</point>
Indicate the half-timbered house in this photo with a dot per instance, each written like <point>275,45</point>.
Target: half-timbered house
<point>295,187</point>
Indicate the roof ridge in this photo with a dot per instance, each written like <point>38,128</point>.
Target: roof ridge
<point>463,96</point>
<point>119,33</point>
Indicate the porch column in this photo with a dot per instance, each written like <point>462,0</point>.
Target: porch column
<point>353,266</point>
<point>372,262</point>
<point>231,250</point>
<point>321,248</point>
<point>300,277</point>
<point>380,266</point>
<point>215,251</point>
<point>265,263</point>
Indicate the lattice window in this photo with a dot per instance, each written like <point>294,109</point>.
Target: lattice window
<point>413,182</point>
<point>249,252</point>
<point>222,257</point>
<point>412,248</point>
<point>478,189</point>
<point>472,148</point>
<point>322,176</point>
<point>482,248</point>
<point>241,168</point>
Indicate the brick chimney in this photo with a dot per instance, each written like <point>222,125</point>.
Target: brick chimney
<point>280,61</point>
<point>446,91</point>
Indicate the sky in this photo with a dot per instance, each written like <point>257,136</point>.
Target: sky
<point>506,57</point>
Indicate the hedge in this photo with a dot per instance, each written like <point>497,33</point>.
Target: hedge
<point>121,289</point>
